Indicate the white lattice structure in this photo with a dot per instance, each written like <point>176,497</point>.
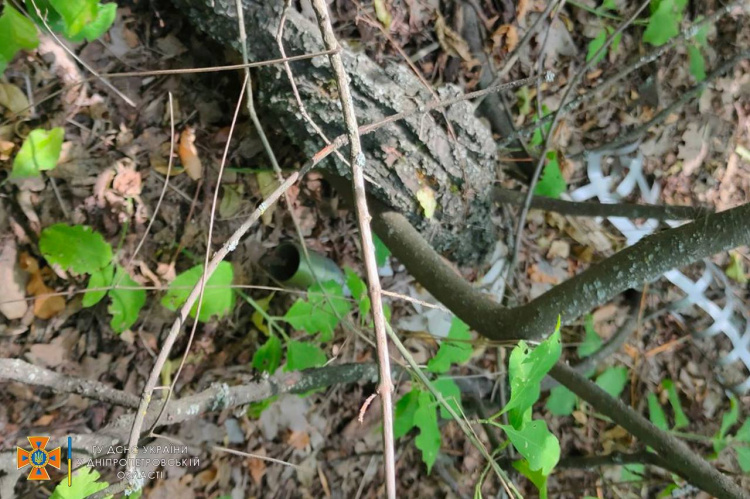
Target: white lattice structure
<point>730,320</point>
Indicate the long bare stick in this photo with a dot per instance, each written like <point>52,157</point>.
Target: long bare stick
<point>357,160</point>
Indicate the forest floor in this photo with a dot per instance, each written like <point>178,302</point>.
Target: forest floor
<point>112,170</point>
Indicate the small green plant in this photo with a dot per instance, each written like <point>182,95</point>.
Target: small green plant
<point>85,481</point>
<point>551,183</point>
<point>39,152</point>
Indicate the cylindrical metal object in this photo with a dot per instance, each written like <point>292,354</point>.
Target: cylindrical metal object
<point>287,264</point>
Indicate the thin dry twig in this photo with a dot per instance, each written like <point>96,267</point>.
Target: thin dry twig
<point>357,160</point>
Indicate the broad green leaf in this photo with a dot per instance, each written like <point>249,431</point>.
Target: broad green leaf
<point>535,443</point>
<point>85,481</point>
<point>425,418</point>
<point>697,63</point>
<point>301,356</point>
<point>595,45</point>
<point>592,342</point>
<point>100,278</point>
<point>680,419</point>
<point>76,14</point>
<point>743,458</point>
<point>77,248</point>
<point>664,23</point>
<point>125,304</point>
<point>40,151</point>
<point>632,473</point>
<point>527,368</point>
<point>318,314</point>
<point>727,421</point>
<point>406,406</point>
<point>218,296</point>
<point>381,251</point>
<point>535,476</point>
<point>16,33</point>
<point>451,393</point>
<point>743,434</point>
<point>450,352</point>
<point>54,20</point>
<point>552,183</point>
<point>656,413</point>
<point>613,380</point>
<point>561,401</point>
<point>268,357</point>
<point>105,17</point>
<point>255,409</point>
<point>359,292</point>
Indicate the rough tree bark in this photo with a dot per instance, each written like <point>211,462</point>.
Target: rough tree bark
<point>402,158</point>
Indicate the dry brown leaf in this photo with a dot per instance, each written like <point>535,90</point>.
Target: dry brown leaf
<point>521,9</point>
<point>257,467</point>
<point>189,154</point>
<point>536,275</point>
<point>450,41</point>
<point>127,181</point>
<point>509,33</point>
<point>299,439</point>
<point>13,99</point>
<point>45,306</point>
<point>13,281</point>
<point>6,149</point>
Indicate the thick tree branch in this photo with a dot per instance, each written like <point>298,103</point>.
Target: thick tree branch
<point>680,457</point>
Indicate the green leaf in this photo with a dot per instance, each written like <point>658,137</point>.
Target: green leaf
<point>451,393</point>
<point>425,418</point>
<point>406,406</point>
<point>318,315</point>
<point>701,35</point>
<point>40,151</point>
<point>664,22</point>
<point>301,356</point>
<point>596,44</point>
<point>54,20</point>
<point>613,380</point>
<point>255,409</point>
<point>359,292</point>
<point>125,304</point>
<point>608,5</point>
<point>16,33</point>
<point>697,63</point>
<point>561,401</point>
<point>592,342</point>
<point>452,352</point>
<point>736,268</point>
<point>743,434</point>
<point>76,14</point>
<point>77,248</point>
<point>105,17</point>
<point>632,473</point>
<point>218,296</point>
<point>743,458</point>
<point>527,368</point>
<point>727,421</point>
<point>85,481</point>
<point>524,100</point>
<point>100,278</point>
<point>535,442</point>
<point>552,183</point>
<point>656,413</point>
<point>535,476</point>
<point>381,251</point>
<point>268,357</point>
<point>680,419</point>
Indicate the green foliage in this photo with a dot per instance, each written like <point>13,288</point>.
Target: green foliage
<point>598,42</point>
<point>78,20</point>
<point>680,419</point>
<point>125,304</point>
<point>551,184</point>
<point>727,421</point>
<point>218,296</point>
<point>537,137</point>
<point>697,63</point>
<point>534,442</point>
<point>101,278</point>
<point>84,483</point>
<point>454,349</point>
<point>535,476</point>
<point>77,248</point>
<point>664,23</point>
<point>592,341</point>
<point>656,413</point>
<point>425,418</point>
<point>451,393</point>
<point>613,380</point>
<point>301,355</point>
<point>359,292</point>
<point>40,151</point>
<point>319,314</point>
<point>268,357</point>
<point>561,401</point>
<point>381,251</point>
<point>16,33</point>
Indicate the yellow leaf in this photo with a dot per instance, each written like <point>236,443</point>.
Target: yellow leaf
<point>426,198</point>
<point>381,12</point>
<point>13,98</point>
<point>257,318</point>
